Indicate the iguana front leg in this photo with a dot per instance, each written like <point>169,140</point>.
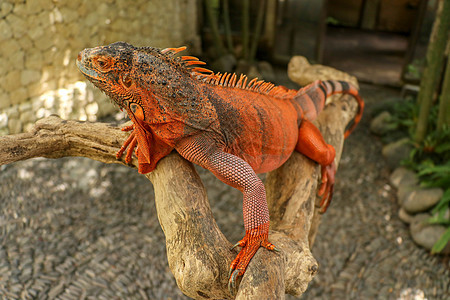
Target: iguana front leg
<point>149,148</point>
<point>130,143</point>
<point>237,173</point>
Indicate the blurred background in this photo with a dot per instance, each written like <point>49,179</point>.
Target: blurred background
<point>74,228</point>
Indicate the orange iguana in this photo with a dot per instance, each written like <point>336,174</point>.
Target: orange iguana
<point>221,122</point>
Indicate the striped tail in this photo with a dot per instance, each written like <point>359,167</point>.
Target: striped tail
<point>313,96</point>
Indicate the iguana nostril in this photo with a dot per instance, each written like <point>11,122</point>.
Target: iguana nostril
<point>79,56</point>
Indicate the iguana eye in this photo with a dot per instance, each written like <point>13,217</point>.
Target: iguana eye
<point>103,63</point>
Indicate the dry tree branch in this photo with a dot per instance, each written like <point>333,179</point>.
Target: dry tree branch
<point>198,253</point>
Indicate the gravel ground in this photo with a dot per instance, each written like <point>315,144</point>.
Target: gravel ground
<point>78,229</point>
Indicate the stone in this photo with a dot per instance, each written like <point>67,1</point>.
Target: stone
<point>14,126</point>
<point>34,60</point>
<point>404,216</point>
<point>27,117</point>
<point>26,106</point>
<point>92,109</point>
<point>253,73</point>
<point>55,16</point>
<point>29,76</point>
<point>19,25</point>
<point>225,63</point>
<point>44,42</point>
<point>68,15</point>
<point>242,67</point>
<point>35,7</point>
<point>422,199</point>
<point>403,192</point>
<point>17,59</point>
<point>5,30</point>
<point>426,235</point>
<point>11,81</point>
<point>9,47</point>
<point>6,100</point>
<point>36,33</point>
<point>404,176</point>
<point>20,9</point>
<point>25,42</point>
<point>380,125</point>
<point>266,70</point>
<point>396,152</point>
<point>35,89</point>
<point>44,19</point>
<point>28,127</point>
<point>18,95</point>
<point>3,120</point>
<point>419,221</point>
<point>5,9</point>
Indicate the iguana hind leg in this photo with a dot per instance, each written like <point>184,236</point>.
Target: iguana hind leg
<point>237,173</point>
<point>311,144</point>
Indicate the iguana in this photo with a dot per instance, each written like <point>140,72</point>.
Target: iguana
<point>231,126</point>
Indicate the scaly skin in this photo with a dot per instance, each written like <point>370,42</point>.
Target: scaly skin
<point>233,128</point>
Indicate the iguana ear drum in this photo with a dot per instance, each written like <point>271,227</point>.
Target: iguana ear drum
<point>127,81</point>
<point>137,110</point>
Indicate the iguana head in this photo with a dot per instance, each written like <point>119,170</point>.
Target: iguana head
<point>144,81</point>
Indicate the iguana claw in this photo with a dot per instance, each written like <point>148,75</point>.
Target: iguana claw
<point>327,186</point>
<point>252,241</point>
<point>130,143</point>
<point>238,244</point>
<point>232,281</point>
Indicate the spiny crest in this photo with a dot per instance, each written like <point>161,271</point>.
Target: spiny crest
<point>229,79</point>
<point>254,85</point>
<point>186,61</point>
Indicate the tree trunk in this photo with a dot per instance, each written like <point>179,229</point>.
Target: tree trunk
<point>433,67</point>
<point>444,101</point>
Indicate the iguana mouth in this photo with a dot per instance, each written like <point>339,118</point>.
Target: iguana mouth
<point>87,72</point>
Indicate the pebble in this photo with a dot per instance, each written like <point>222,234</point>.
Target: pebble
<point>402,175</point>
<point>420,200</point>
<point>380,124</point>
<point>404,216</point>
<point>395,152</point>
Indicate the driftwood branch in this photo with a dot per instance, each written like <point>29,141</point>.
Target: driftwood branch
<point>199,255</point>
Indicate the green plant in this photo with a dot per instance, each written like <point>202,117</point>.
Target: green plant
<point>434,150</point>
<point>439,217</point>
<point>431,160</point>
<point>404,115</point>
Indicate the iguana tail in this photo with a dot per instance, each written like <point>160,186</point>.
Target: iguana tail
<point>313,96</point>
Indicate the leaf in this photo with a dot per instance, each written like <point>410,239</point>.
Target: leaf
<point>442,148</point>
<point>442,242</point>
<point>435,169</point>
<point>443,203</point>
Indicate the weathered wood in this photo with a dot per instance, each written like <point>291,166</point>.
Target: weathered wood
<point>198,253</point>
<point>53,137</point>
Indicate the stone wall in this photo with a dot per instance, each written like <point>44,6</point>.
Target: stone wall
<point>40,40</point>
